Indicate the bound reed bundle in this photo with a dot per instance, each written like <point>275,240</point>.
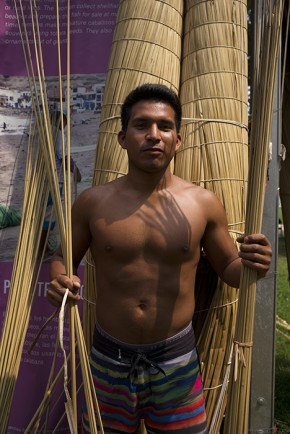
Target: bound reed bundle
<point>215,151</point>
<point>146,48</point>
<point>237,415</point>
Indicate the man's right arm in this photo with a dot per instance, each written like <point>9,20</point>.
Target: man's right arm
<point>81,239</point>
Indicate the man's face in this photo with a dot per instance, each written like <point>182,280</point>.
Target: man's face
<point>151,139</point>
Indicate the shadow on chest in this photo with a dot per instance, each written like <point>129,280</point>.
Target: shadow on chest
<point>154,229</point>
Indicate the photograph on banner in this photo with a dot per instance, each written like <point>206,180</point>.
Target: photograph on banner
<point>86,95</point>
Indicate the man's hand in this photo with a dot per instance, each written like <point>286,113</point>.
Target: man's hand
<point>256,252</point>
<point>58,286</point>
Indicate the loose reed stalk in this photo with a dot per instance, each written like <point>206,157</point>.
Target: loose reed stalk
<point>214,99</point>
<point>237,414</point>
<point>67,201</point>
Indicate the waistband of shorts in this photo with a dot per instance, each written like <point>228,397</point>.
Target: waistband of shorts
<point>167,349</point>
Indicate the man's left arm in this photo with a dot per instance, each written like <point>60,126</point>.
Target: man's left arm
<point>255,249</point>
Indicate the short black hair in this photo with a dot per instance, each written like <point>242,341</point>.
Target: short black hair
<point>153,92</point>
<point>55,116</point>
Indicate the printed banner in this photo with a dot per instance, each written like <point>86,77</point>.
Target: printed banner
<point>91,30</point>
<point>37,357</point>
<point>92,25</point>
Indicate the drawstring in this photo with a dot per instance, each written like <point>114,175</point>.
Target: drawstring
<point>136,359</point>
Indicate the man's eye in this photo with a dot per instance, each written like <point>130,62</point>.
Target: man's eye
<point>166,127</point>
<point>140,126</point>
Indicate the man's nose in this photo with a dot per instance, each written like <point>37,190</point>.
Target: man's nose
<point>153,132</point>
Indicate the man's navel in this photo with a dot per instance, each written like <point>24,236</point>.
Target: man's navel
<point>142,306</point>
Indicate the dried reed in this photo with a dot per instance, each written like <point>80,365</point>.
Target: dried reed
<point>237,414</point>
<point>215,154</point>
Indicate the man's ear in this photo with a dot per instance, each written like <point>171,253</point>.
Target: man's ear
<point>122,139</point>
<point>178,142</point>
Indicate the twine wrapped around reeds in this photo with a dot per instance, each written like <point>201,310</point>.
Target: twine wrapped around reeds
<point>214,97</point>
<point>237,414</point>
<point>146,48</point>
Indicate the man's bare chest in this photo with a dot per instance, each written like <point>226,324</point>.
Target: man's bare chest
<point>162,234</point>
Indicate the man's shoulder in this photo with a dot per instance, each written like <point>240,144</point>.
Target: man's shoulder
<point>197,197</point>
<point>98,191</point>
<point>194,189</point>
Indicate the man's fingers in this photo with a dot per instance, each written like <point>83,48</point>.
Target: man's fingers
<point>259,239</point>
<point>260,268</point>
<point>256,256</point>
<point>54,298</point>
<point>255,252</point>
<point>58,286</point>
<point>66,282</point>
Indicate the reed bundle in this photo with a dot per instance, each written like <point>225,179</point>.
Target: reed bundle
<point>146,48</point>
<point>35,199</point>
<point>214,97</point>
<point>237,414</point>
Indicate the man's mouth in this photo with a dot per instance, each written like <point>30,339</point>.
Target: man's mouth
<point>153,150</point>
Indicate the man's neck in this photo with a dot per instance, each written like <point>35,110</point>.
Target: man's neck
<point>148,182</point>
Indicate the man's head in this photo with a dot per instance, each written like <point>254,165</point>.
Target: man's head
<point>55,116</point>
<point>151,92</point>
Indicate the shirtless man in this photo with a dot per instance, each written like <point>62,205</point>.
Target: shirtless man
<point>145,231</point>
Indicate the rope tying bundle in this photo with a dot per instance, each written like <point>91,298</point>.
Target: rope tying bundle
<point>239,355</point>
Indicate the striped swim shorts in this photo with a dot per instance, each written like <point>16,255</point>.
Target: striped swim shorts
<point>159,383</point>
